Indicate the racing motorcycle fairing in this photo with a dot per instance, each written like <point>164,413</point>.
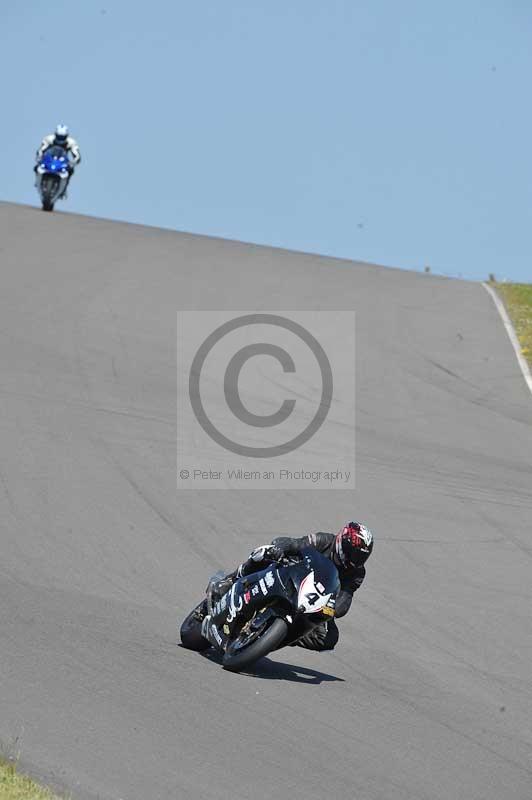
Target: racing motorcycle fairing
<point>303,593</point>
<point>52,176</point>
<point>55,161</point>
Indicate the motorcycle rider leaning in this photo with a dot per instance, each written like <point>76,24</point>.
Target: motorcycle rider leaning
<point>348,550</point>
<point>60,138</point>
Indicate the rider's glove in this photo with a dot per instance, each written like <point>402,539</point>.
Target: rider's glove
<point>275,552</point>
<point>265,552</point>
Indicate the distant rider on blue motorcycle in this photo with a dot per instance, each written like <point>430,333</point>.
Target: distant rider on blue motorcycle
<point>61,138</point>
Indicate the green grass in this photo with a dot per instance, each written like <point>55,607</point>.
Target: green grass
<point>14,786</point>
<point>517,298</point>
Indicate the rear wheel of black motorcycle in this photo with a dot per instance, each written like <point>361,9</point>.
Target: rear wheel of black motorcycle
<point>47,205</point>
<point>190,631</point>
<point>239,655</point>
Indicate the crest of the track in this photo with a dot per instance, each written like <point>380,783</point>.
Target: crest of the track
<point>429,693</point>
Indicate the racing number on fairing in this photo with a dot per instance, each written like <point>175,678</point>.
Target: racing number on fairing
<point>315,598</point>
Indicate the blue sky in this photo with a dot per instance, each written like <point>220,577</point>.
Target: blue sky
<point>398,133</point>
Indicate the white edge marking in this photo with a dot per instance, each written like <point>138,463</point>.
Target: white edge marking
<point>521,360</point>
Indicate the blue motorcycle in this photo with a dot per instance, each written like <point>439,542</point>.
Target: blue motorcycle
<point>53,172</point>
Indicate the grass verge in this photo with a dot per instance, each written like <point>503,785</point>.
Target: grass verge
<point>517,298</point>
<point>14,786</point>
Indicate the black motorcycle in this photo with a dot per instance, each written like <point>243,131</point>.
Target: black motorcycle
<point>264,611</point>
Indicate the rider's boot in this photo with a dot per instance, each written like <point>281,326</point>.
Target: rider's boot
<point>221,586</point>
<point>201,611</point>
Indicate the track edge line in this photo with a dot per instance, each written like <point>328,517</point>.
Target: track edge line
<point>510,330</point>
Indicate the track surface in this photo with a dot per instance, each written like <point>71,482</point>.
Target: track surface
<point>428,695</point>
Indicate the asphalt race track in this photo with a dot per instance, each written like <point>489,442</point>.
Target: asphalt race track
<point>429,693</point>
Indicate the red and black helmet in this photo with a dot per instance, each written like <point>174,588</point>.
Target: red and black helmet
<point>353,545</point>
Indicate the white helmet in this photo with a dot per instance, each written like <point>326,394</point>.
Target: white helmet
<point>61,133</point>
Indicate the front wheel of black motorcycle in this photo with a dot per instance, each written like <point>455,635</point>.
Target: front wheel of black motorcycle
<point>240,655</point>
<point>190,631</point>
